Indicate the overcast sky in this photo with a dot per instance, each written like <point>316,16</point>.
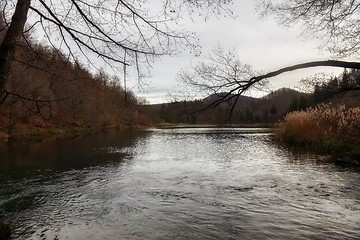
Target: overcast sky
<point>260,42</point>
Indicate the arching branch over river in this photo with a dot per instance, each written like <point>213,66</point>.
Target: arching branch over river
<point>224,75</point>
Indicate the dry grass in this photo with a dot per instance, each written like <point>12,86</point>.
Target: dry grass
<point>322,125</point>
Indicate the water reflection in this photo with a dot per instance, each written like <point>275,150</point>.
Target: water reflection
<point>67,152</point>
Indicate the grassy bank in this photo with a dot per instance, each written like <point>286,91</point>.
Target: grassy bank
<point>329,130</point>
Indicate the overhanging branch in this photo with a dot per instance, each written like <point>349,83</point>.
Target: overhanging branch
<point>326,63</point>
<point>243,86</point>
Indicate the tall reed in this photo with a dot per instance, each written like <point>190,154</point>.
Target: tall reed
<point>336,127</point>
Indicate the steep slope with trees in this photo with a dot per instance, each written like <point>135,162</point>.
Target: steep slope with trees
<point>49,92</point>
<point>132,34</point>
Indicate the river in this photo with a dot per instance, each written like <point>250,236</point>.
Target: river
<point>200,183</point>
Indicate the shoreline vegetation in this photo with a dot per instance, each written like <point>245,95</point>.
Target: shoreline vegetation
<point>329,130</point>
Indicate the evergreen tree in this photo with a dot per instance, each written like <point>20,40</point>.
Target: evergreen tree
<point>317,92</point>
<point>345,81</point>
<point>273,110</point>
<point>249,115</point>
<point>302,105</point>
<point>294,105</point>
<point>265,115</point>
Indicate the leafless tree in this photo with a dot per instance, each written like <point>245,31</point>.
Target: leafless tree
<point>336,22</point>
<point>223,75</point>
<point>118,32</point>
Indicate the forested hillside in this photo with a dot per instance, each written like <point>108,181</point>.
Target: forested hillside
<point>248,110</point>
<point>46,91</point>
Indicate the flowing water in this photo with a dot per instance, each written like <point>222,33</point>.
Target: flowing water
<point>175,184</point>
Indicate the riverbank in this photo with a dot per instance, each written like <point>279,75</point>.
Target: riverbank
<point>43,133</point>
<point>329,130</point>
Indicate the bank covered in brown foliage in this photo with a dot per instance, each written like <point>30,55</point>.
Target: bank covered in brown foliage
<point>47,91</point>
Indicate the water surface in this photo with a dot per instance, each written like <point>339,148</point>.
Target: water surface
<point>175,184</point>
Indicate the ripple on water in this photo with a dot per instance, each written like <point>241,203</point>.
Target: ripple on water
<point>186,184</point>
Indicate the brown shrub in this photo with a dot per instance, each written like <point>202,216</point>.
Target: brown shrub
<point>321,123</point>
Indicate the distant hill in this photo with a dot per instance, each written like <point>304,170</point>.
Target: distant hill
<point>268,109</point>
<point>283,98</point>
<point>215,97</point>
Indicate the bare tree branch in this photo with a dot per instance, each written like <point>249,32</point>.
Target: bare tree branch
<point>107,30</point>
<point>336,23</point>
<point>226,78</point>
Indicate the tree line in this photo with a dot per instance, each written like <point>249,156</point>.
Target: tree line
<point>342,89</point>
<point>346,83</point>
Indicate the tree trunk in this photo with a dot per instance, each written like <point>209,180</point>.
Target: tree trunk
<point>11,39</point>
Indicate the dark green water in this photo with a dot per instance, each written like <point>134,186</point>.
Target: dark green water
<point>175,184</point>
